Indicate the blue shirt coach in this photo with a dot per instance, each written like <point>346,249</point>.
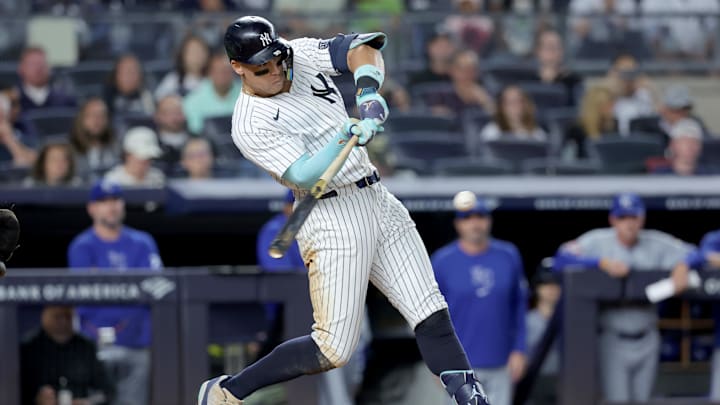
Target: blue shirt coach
<point>98,249</point>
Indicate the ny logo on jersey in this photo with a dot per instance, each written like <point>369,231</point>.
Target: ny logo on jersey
<point>323,93</point>
<point>265,39</point>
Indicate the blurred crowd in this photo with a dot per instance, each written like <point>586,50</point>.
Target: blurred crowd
<point>486,89</point>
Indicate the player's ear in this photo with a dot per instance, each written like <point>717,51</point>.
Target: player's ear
<point>238,68</point>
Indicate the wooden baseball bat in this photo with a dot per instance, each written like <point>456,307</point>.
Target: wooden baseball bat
<point>284,238</point>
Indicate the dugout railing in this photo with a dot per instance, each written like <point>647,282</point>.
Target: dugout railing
<point>583,292</point>
<point>180,302</point>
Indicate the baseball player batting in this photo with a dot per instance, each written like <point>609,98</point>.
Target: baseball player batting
<point>290,120</point>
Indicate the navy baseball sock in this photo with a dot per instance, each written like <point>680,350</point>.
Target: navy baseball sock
<point>439,344</point>
<point>290,359</point>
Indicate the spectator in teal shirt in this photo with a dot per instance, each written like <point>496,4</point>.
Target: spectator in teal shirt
<point>214,96</point>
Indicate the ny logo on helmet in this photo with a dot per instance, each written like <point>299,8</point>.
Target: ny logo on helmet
<point>265,39</point>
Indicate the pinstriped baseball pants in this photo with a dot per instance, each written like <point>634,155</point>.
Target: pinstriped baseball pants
<point>359,236</point>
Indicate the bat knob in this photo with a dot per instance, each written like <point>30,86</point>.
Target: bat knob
<point>276,252</point>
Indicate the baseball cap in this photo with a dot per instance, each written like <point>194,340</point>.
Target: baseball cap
<point>686,128</point>
<point>677,96</point>
<point>481,207</point>
<point>103,190</point>
<point>142,142</point>
<point>627,205</point>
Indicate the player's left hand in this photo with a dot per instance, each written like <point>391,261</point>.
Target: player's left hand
<point>680,277</point>
<point>365,130</point>
<point>516,365</point>
<point>371,105</point>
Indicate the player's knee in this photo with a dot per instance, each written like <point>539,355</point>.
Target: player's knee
<point>338,355</point>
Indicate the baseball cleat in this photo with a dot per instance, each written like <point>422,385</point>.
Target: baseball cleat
<point>463,387</point>
<point>211,393</point>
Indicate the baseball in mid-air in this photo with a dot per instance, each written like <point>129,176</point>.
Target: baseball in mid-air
<point>464,200</point>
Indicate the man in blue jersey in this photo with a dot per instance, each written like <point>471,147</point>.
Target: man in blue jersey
<point>483,281</point>
<point>109,246</point>
<point>292,259</point>
<point>707,256</point>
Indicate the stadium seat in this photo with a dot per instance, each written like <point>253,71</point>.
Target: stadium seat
<point>87,79</point>
<point>643,123</point>
<point>217,130</point>
<point>557,167</point>
<point>472,167</point>
<point>10,174</point>
<point>51,121</point>
<point>516,150</point>
<point>505,72</point>
<point>546,96</point>
<point>424,93</point>
<point>427,148</point>
<point>620,155</point>
<point>419,121</point>
<point>126,121</point>
<point>711,152</point>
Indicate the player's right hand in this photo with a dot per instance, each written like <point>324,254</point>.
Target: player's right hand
<point>365,130</point>
<point>614,268</point>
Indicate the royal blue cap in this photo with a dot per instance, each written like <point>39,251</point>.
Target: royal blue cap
<point>481,208</point>
<point>289,197</point>
<point>627,205</point>
<point>102,190</point>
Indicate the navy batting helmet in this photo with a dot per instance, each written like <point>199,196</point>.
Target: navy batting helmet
<point>253,40</point>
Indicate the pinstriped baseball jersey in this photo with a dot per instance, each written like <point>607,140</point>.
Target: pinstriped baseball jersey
<point>274,132</point>
<point>359,236</point>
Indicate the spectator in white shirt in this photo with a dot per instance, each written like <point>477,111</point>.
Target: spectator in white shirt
<point>191,65</point>
<point>681,28</point>
<point>515,118</point>
<point>141,146</point>
<point>636,93</point>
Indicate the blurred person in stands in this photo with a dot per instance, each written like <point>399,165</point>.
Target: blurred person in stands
<point>470,27</point>
<point>36,90</point>
<point>629,342</point>
<point>171,127</point>
<point>57,358</point>
<point>214,96</point>
<point>140,147</point>
<point>515,118</point>
<point>599,21</point>
<point>93,139</point>
<point>683,153</point>
<point>191,65</point>
<point>597,118</point>
<point>197,159</point>
<point>635,91</point>
<point>467,91</point>
<point>547,294</point>
<point>16,148</point>
<point>707,257</point>
<point>22,127</point>
<point>681,28</point>
<point>109,246</point>
<point>550,57</point>
<point>55,166</point>
<point>483,281</point>
<point>677,105</point>
<point>126,91</point>
<point>439,52</point>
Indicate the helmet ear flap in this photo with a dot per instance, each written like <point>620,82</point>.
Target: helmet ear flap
<point>288,61</point>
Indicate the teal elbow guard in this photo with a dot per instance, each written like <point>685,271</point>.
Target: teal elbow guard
<point>306,171</point>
